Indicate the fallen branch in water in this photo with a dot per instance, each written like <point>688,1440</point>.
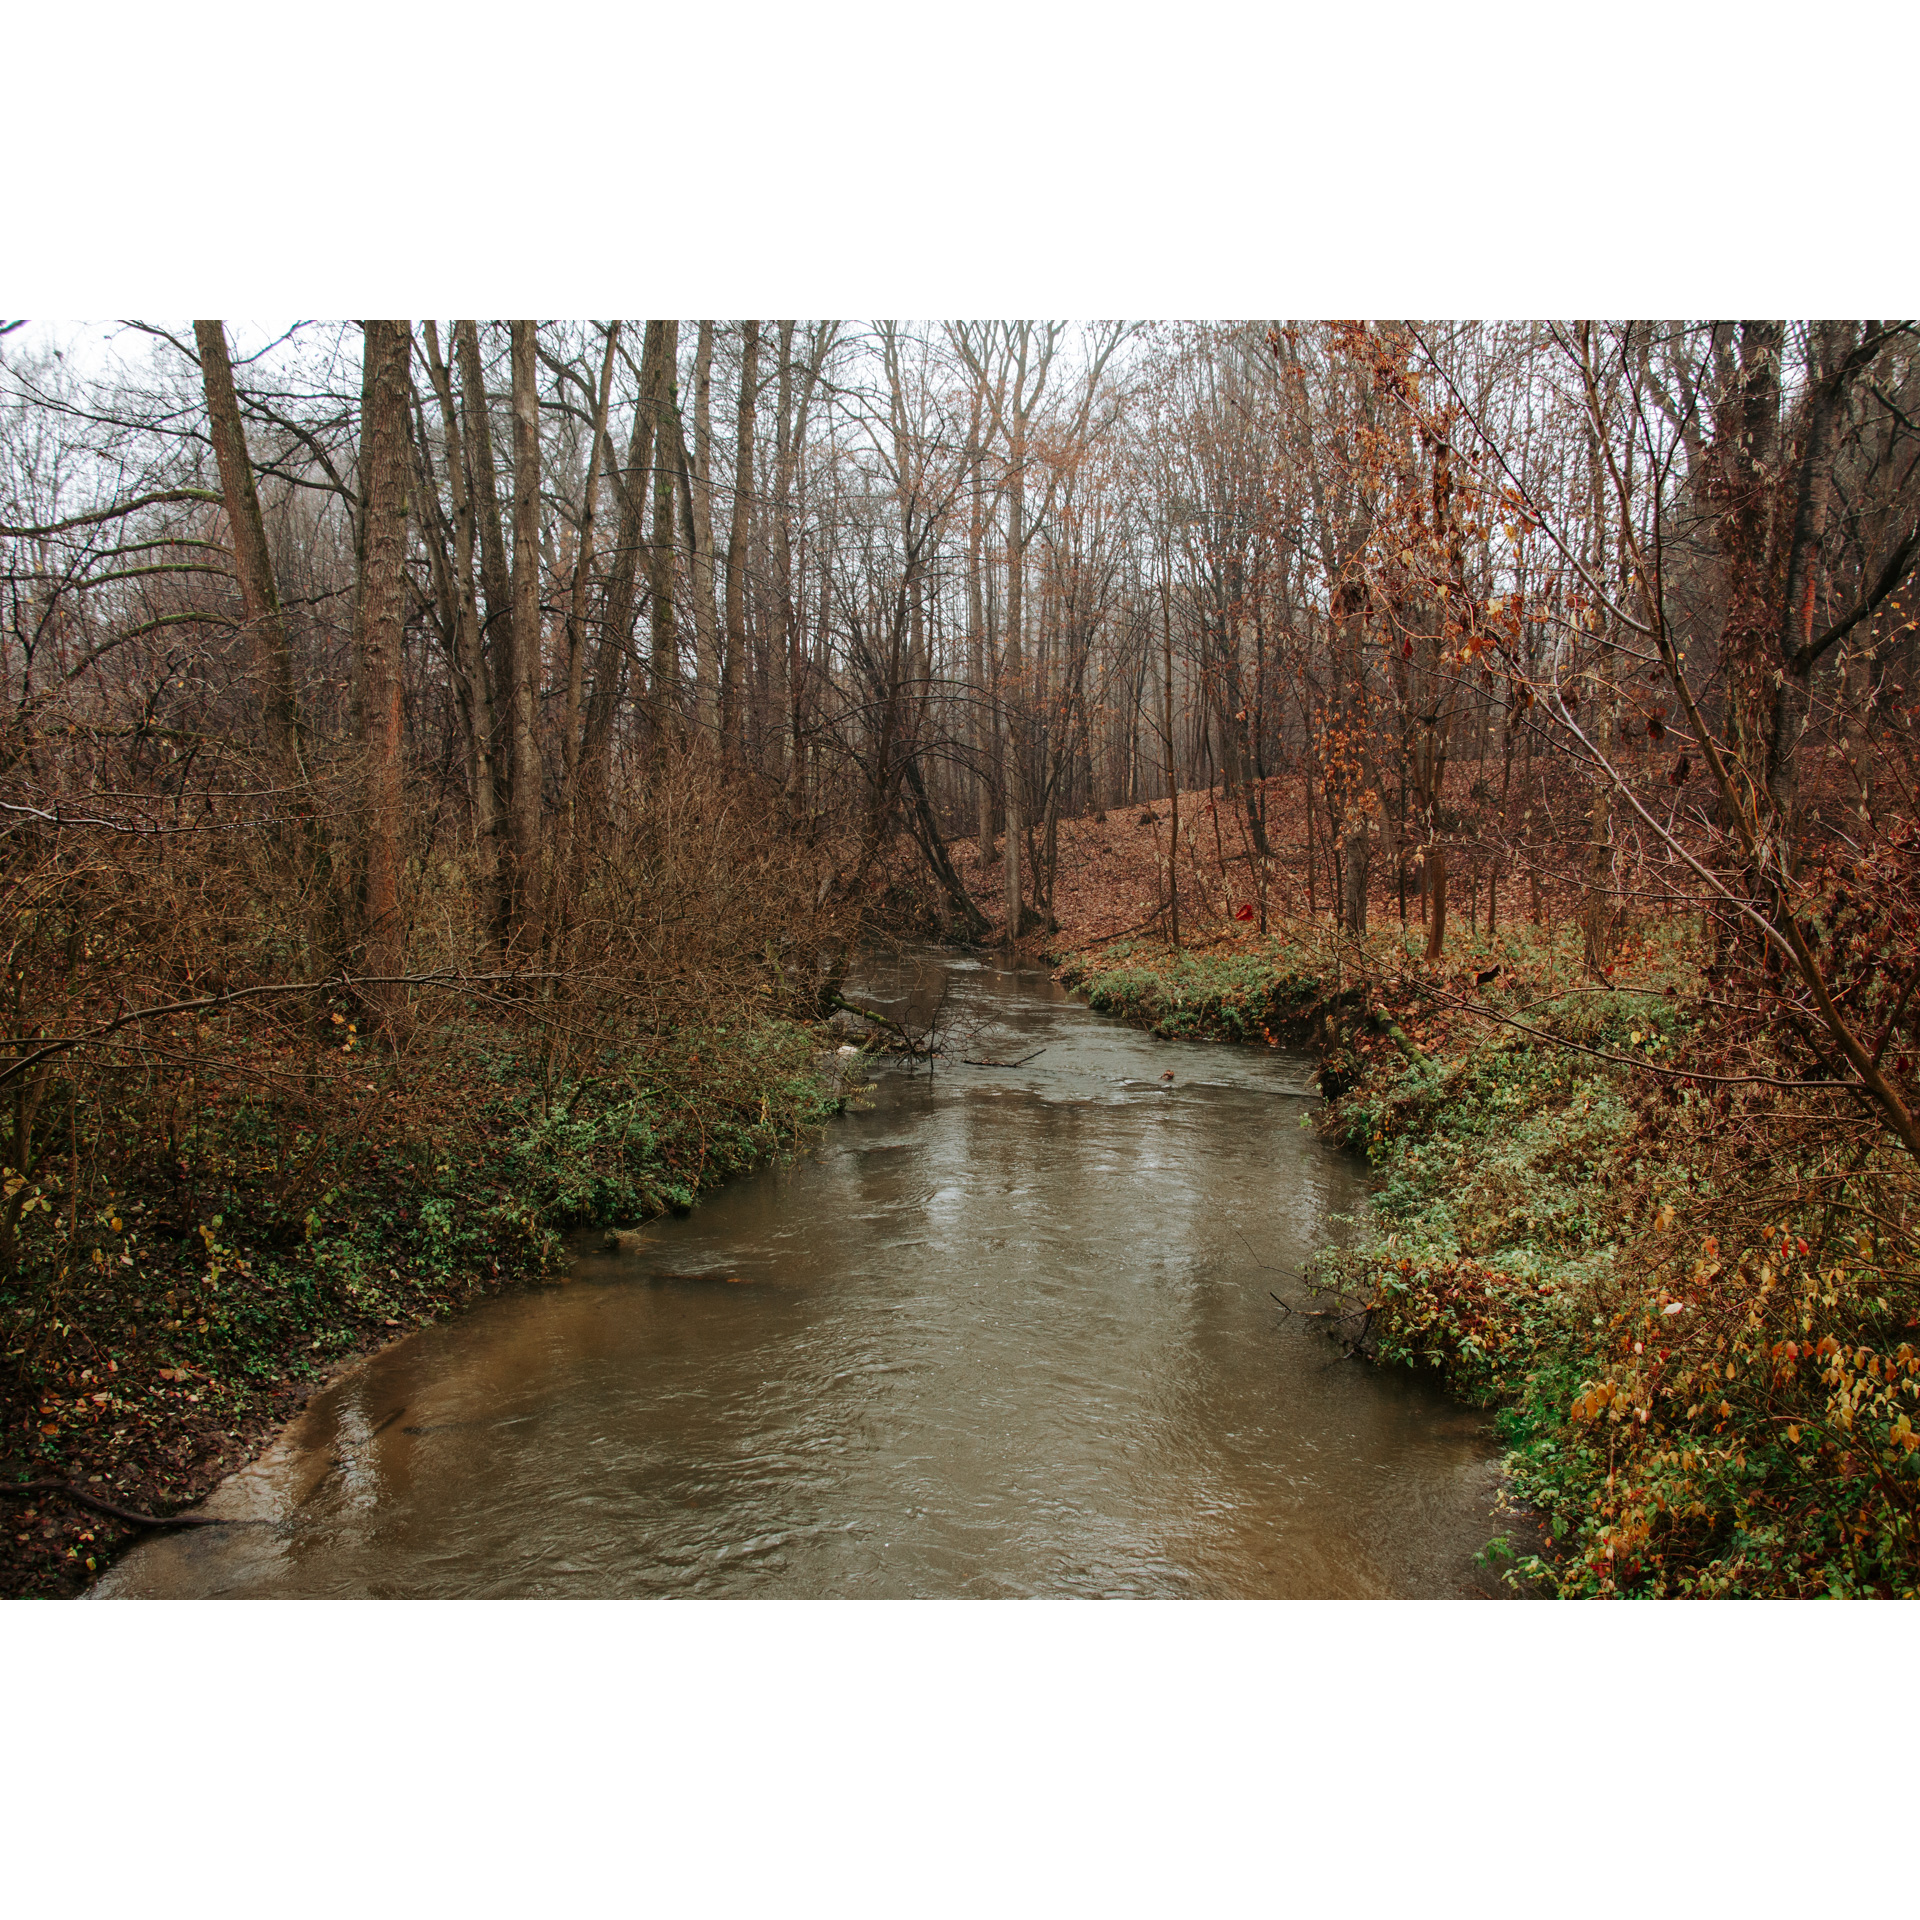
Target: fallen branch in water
<point>1363,1314</point>
<point>923,1048</point>
<point>969,1061</point>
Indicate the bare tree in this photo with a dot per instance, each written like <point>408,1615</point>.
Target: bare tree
<point>253,564</point>
<point>733,693</point>
<point>378,637</point>
<point>524,661</point>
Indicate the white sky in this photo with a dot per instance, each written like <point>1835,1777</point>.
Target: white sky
<point>1486,158</point>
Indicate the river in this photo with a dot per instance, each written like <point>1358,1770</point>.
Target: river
<point>1007,1331</point>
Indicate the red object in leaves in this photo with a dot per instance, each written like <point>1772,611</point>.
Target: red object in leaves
<point>1243,913</point>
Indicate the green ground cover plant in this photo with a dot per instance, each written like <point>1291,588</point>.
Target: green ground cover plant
<point>1689,1300</point>
<point>182,1275</point>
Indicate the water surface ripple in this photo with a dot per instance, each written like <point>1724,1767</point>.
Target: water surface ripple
<point>1009,1332</point>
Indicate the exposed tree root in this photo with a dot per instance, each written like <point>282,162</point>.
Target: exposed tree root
<point>22,1488</point>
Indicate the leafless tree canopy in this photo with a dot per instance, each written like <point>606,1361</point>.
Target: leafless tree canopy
<point>394,654</point>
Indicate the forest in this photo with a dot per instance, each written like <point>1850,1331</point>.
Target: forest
<point>448,770</point>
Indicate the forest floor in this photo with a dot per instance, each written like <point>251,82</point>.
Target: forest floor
<point>1699,1344</point>
<point>1111,865</point>
<point>222,1287</point>
<point>1698,1341</point>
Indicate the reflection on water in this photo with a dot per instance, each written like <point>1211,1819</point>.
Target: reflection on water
<point>1007,1333</point>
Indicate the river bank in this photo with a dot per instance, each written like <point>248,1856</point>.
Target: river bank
<point>1696,1327</point>
<point>1004,1330</point>
<point>216,1293</point>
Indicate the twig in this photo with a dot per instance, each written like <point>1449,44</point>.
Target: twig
<point>923,1049</point>
<point>1119,933</point>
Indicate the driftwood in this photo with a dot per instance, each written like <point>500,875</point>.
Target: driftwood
<point>1319,1313</point>
<point>905,1043</point>
<point>83,1498</point>
<point>1363,1314</point>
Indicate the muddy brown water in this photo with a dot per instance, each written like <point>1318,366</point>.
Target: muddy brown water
<point>1006,1332</point>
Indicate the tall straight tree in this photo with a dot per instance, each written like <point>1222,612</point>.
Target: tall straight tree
<point>821,337</point>
<point>633,483</point>
<point>1028,358</point>
<point>664,667</point>
<point>779,679</point>
<point>583,569</point>
<point>980,711</point>
<point>1032,358</point>
<point>570,731</point>
<point>698,489</point>
<point>378,631</point>
<point>523,677</point>
<point>266,624</point>
<point>733,693</point>
<point>496,628</point>
<point>475,685</point>
<point>1013,665</point>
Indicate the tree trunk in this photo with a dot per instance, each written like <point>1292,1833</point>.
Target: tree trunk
<point>495,587</point>
<point>1011,669</point>
<point>1436,865</point>
<point>700,540</point>
<point>524,663</point>
<point>733,697</point>
<point>1353,862</point>
<point>1173,768</point>
<point>926,829</point>
<point>583,570</point>
<point>378,631</point>
<point>496,629</point>
<point>617,605</point>
<point>561,866</point>
<point>266,624</point>
<point>1597,910</point>
<point>476,695</point>
<point>980,710</point>
<point>780,639</point>
<point>663,678</point>
<point>1313,909</point>
<point>1792,700</point>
